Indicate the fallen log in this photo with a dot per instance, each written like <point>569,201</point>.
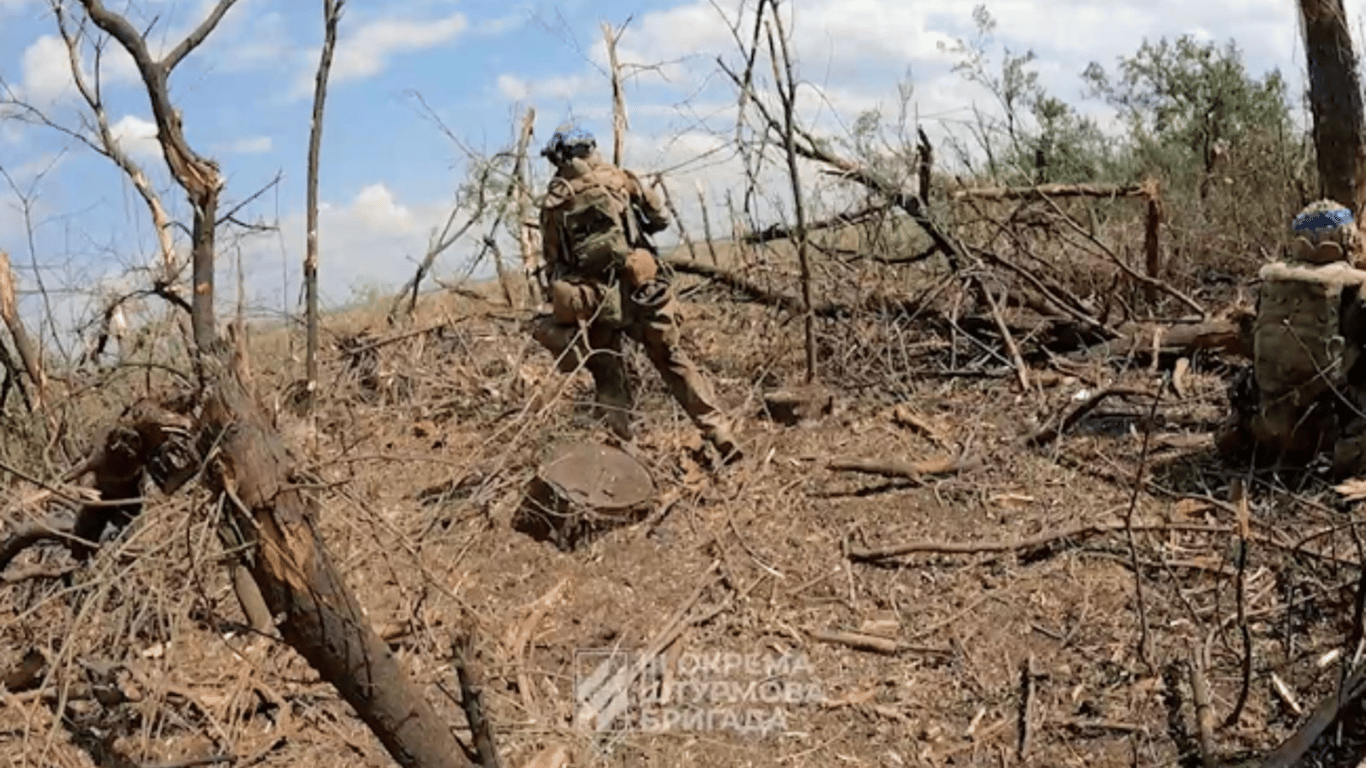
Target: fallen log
<point>1226,336</point>
<point>1050,190</point>
<point>783,232</point>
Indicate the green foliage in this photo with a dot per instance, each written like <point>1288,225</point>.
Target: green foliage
<point>1182,101</point>
<point>1034,126</point>
<point>1192,118</point>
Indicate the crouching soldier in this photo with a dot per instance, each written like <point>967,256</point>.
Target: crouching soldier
<point>1303,393</point>
<point>605,285</point>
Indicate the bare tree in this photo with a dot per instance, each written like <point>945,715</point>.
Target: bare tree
<point>528,228</point>
<point>332,10</point>
<point>619,125</point>
<point>1335,100</point>
<point>786,83</point>
<point>251,471</point>
<point>28,352</point>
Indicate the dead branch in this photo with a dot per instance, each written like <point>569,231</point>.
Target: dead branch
<point>911,470</point>
<point>1022,545</point>
<point>109,146</point>
<point>198,176</point>
<point>528,229</point>
<point>1308,744</point>
<point>619,125</point>
<point>440,242</point>
<point>1049,434</point>
<point>1239,490</point>
<point>1027,705</point>
<point>332,10</point>
<point>1145,632</point>
<point>707,236</point>
<point>1152,245</point>
<point>1043,191</point>
<point>1227,336</point>
<point>839,221</point>
<point>1204,712</point>
<point>1149,281</point>
<point>510,203</point>
<point>1021,369</point>
<point>471,679</point>
<point>23,343</point>
<point>1055,294</point>
<point>786,83</point>
<point>677,220</point>
<point>863,641</point>
<point>812,149</point>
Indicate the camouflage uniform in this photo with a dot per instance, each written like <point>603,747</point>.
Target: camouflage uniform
<point>1306,388</point>
<point>594,308</point>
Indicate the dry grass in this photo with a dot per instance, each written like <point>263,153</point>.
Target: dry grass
<point>425,442</point>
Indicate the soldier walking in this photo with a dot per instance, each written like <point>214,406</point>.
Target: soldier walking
<point>605,284</point>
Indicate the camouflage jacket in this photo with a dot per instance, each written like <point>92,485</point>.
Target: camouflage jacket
<point>559,193</point>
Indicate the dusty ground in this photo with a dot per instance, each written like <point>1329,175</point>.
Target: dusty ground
<point>423,450</point>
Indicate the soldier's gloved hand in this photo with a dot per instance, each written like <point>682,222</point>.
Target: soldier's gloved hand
<point>650,294</point>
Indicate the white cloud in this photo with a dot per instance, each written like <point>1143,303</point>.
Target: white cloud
<point>514,88</point>
<point>367,49</point>
<point>374,238</point>
<point>46,70</point>
<point>253,145</point>
<point>375,206</point>
<point>137,136</point>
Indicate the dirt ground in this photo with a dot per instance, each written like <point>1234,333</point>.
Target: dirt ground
<point>1075,650</point>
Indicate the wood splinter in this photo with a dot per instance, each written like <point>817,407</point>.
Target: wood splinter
<point>866,642</point>
<point>911,470</point>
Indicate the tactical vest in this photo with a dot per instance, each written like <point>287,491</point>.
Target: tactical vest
<point>597,225</point>
<point>1299,351</point>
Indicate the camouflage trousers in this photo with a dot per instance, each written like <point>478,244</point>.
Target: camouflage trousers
<point>588,325</point>
<point>1266,430</point>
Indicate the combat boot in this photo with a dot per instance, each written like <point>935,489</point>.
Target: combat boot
<point>613,394</point>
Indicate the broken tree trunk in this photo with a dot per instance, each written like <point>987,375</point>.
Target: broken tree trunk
<point>1227,336</point>
<point>528,229</point>
<point>315,611</point>
<point>1335,101</point>
<point>28,353</point>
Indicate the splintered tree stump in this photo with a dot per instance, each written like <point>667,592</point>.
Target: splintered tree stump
<point>797,405</point>
<point>582,490</point>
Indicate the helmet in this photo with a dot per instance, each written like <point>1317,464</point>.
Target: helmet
<point>1324,232</point>
<point>1325,221</point>
<point>566,144</point>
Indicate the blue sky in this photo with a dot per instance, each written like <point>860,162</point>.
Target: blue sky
<point>389,173</point>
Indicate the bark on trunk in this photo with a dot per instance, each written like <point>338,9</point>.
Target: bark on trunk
<point>315,611</point>
<point>1335,100</point>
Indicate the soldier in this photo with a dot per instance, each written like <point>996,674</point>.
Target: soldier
<point>605,283</point>
<point>1304,391</point>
